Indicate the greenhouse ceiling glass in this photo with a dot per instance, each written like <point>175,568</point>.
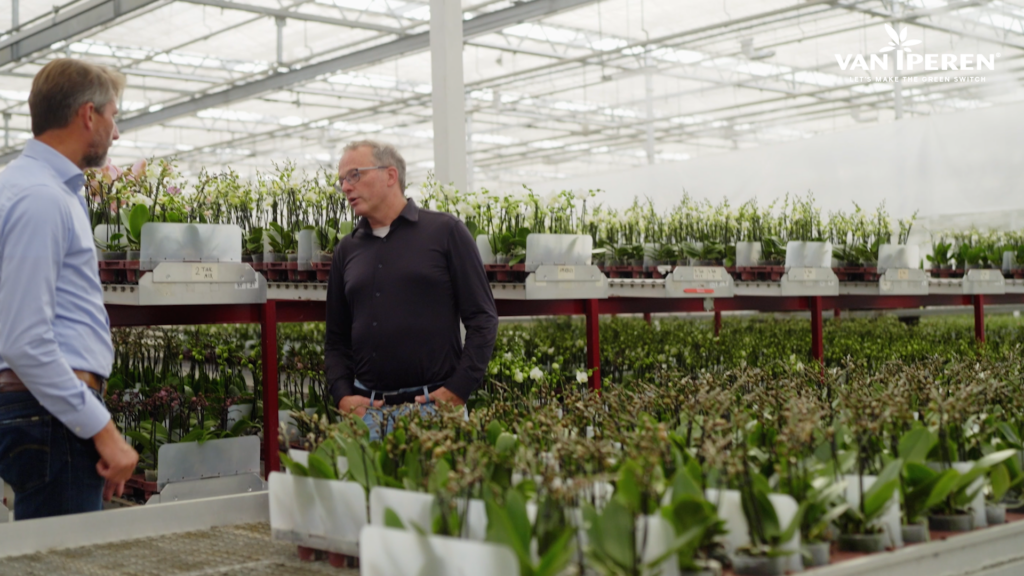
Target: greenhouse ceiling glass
<point>600,85</point>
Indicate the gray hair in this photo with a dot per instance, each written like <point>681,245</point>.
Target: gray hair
<point>61,87</point>
<point>383,155</point>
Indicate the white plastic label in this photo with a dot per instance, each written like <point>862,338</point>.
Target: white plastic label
<point>984,275</point>
<point>204,272</point>
<point>707,273</point>
<point>808,273</point>
<point>903,274</point>
<point>246,285</point>
<point>566,272</point>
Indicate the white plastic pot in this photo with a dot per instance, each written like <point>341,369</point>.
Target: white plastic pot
<point>237,412</point>
<point>748,253</point>
<point>320,514</point>
<point>390,552</point>
<point>483,245</point>
<point>1009,261</point>
<point>417,509</point>
<point>897,256</point>
<point>794,254</point>
<point>730,509</point>
<point>817,255</point>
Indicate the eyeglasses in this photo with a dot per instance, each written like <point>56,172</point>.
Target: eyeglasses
<point>353,175</point>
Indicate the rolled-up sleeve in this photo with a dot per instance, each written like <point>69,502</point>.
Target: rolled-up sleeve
<point>34,238</point>
<point>476,309</point>
<point>338,339</point>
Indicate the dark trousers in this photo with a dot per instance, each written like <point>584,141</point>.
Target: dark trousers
<point>52,471</point>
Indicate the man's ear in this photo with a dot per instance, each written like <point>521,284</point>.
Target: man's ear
<point>392,176</point>
<point>86,115</point>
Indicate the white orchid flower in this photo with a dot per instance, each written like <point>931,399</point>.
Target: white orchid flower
<point>140,199</point>
<point>581,377</point>
<point>536,374</point>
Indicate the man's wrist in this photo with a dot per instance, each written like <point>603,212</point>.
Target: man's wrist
<point>107,433</point>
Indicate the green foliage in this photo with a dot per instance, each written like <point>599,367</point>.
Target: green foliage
<point>767,534</point>
<point>962,492</point>
<point>509,524</point>
<point>133,222</point>
<point>924,490</point>
<point>694,519</point>
<point>511,244</point>
<point>874,501</point>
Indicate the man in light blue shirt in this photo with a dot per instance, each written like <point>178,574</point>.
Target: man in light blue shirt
<point>59,449</point>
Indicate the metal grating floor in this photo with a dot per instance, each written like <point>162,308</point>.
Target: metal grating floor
<point>244,549</point>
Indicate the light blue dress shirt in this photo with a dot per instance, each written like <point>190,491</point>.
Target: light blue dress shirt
<point>52,318</point>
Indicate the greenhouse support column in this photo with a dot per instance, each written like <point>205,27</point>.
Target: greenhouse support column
<point>449,91</point>
<point>268,341</point>
<point>979,318</point>
<point>718,322</point>
<point>590,308</point>
<point>817,337</point>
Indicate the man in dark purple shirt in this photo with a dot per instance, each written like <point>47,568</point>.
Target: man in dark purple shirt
<point>400,284</point>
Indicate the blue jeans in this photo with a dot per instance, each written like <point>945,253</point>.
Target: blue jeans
<point>378,418</point>
<point>52,471</point>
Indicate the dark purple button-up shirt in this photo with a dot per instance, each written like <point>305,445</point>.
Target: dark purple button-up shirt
<point>394,305</point>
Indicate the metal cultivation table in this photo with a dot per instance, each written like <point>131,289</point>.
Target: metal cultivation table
<point>231,535</point>
<point>306,302</point>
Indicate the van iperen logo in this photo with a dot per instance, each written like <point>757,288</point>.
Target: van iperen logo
<point>907,60</point>
<point>899,41</point>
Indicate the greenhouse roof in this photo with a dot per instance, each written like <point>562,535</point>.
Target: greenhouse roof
<point>554,88</point>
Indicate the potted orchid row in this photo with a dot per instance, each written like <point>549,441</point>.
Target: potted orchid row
<point>733,468</point>
<point>272,210</point>
<point>955,253</point>
<point>281,208</point>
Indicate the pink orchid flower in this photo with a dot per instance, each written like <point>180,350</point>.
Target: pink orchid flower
<point>115,172</point>
<point>138,169</point>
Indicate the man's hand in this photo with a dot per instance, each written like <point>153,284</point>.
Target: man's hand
<point>441,395</point>
<point>357,405</point>
<point>117,459</point>
<point>112,489</point>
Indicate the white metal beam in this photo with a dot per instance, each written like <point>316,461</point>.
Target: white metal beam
<point>448,91</point>
<point>480,25</point>
<point>67,25</point>
<point>295,15</point>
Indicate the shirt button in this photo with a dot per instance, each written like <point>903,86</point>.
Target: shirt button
<point>374,323</point>
<point>377,294</point>
<point>380,265</point>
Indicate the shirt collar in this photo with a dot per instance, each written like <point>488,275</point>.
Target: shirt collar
<point>64,169</point>
<point>411,212</point>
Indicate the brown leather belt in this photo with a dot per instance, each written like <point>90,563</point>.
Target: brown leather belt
<point>9,381</point>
